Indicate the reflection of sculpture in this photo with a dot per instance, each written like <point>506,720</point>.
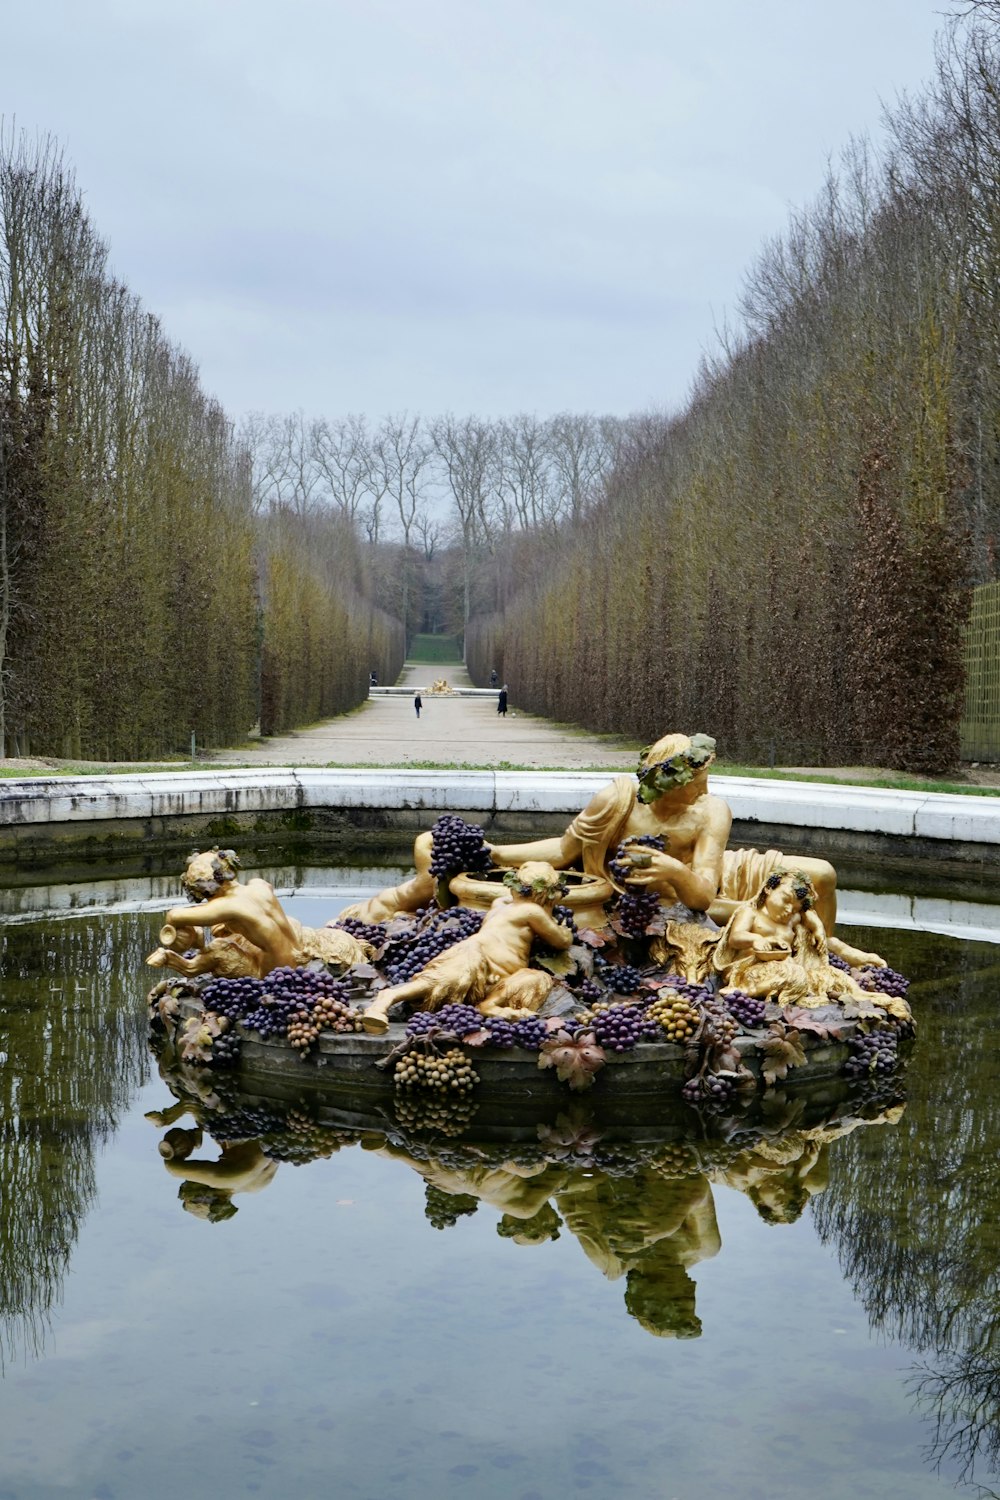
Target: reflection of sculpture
<point>777,945</point>
<point>490,969</point>
<point>649,1227</point>
<point>251,933</point>
<point>207,1187</point>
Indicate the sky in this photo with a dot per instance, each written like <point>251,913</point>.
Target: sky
<point>486,206</point>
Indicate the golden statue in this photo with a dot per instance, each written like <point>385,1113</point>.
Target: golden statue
<point>440,685</point>
<point>490,969</point>
<point>776,945</point>
<point>669,798</point>
<point>251,934</point>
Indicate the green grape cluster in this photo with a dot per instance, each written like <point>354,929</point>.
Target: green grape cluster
<point>450,1074</point>
<point>676,1015</point>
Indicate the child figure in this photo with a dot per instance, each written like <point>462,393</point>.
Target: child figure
<point>776,945</point>
<point>490,969</point>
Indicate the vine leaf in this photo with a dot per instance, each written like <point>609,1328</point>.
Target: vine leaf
<point>576,1059</point>
<point>782,1049</point>
<point>804,1019</point>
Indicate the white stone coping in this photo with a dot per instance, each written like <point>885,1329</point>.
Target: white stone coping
<point>60,800</point>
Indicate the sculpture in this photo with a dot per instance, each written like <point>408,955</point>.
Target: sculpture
<point>776,946</point>
<point>251,933</point>
<point>490,969</point>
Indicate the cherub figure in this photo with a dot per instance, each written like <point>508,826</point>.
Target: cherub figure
<point>251,932</point>
<point>776,945</point>
<point>490,969</point>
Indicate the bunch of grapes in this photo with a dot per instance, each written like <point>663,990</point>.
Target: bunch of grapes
<point>442,1209</point>
<point>325,1013</point>
<point>226,1049</point>
<point>444,1114</point>
<point>590,992</point>
<point>698,994</point>
<point>836,962</point>
<point>624,979</point>
<point>460,1019</point>
<point>636,909</point>
<point>458,845</point>
<point>674,1015</point>
<point>621,866</point>
<point>408,953</point>
<point>872,1052</point>
<point>883,981</point>
<point>246,1124</point>
<point>232,998</point>
<point>305,1139</point>
<point>530,1032</point>
<point>619,1027</point>
<point>720,1023</point>
<point>564,916</point>
<point>712,1089</point>
<point>452,1073</point>
<point>501,1031</point>
<point>748,1009</point>
<point>272,1017</point>
<point>365,932</point>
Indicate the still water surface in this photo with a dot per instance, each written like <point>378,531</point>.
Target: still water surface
<point>328,1338</point>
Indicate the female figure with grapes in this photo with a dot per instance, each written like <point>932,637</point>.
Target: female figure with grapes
<point>491,968</point>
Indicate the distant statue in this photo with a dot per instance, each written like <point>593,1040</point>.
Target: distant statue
<point>491,968</point>
<point>251,934</point>
<point>494,679</point>
<point>440,685</point>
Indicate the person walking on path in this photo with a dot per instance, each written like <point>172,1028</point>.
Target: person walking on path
<point>418,703</point>
<point>502,701</point>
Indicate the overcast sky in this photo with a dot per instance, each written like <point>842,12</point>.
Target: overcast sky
<point>466,205</point>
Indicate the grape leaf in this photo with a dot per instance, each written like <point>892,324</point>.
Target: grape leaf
<point>195,1041</point>
<point>576,1059</point>
<point>592,939</point>
<point>807,1020</point>
<point>782,1049</point>
<point>555,963</point>
<point>477,1038</point>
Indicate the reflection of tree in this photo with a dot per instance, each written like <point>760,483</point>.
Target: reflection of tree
<point>75,1042</point>
<point>912,1211</point>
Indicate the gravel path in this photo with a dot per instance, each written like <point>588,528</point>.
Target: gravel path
<point>385,731</point>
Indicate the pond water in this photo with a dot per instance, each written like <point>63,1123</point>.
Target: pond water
<point>376,1311</point>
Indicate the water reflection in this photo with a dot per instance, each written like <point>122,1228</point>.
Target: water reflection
<point>639,1201</point>
<point>73,1053</point>
<point>908,1199</point>
<point>915,1221</point>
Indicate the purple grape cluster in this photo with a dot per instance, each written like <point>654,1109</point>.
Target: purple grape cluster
<point>459,1019</point>
<point>620,1027</point>
<point>458,845</point>
<point>836,962</point>
<point>226,1049</point>
<point>883,981</point>
<point>872,1052</point>
<point>589,991</point>
<point>564,916</point>
<point>624,979</point>
<point>636,909</point>
<point>530,1032</point>
<point>287,991</point>
<point>408,953</point>
<point>232,998</point>
<point>365,932</point>
<point>748,1009</point>
<point>711,1089</point>
<point>501,1031</point>
<point>621,866</point>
